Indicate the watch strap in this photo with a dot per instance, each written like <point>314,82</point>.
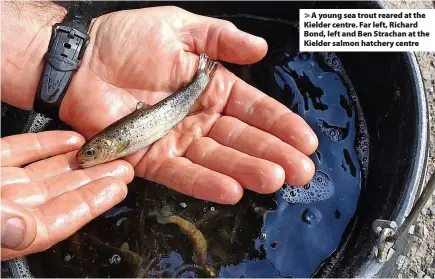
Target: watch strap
<point>66,48</point>
<point>78,18</point>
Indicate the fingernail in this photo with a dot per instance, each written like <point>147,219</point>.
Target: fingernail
<point>307,165</point>
<point>13,232</point>
<point>310,139</point>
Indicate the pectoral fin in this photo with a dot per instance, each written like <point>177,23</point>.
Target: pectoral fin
<point>141,104</point>
<point>122,146</point>
<point>196,108</point>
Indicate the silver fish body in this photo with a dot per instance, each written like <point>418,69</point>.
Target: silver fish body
<point>147,124</point>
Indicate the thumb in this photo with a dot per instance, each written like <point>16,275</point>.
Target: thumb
<point>18,227</point>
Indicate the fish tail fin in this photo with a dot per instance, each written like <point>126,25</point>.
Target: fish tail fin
<point>206,64</point>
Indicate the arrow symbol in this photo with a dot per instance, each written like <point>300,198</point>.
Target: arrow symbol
<point>307,15</point>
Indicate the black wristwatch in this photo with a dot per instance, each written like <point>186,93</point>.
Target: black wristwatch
<point>67,45</point>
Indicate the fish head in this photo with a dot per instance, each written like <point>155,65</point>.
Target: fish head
<point>96,151</point>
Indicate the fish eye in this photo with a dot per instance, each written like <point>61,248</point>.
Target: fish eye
<point>89,152</point>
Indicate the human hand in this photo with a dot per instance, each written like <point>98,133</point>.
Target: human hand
<point>240,139</point>
<point>47,201</point>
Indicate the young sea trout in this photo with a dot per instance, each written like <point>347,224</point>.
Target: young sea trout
<point>146,124</point>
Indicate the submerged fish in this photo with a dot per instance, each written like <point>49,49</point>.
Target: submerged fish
<point>187,228</point>
<point>146,124</point>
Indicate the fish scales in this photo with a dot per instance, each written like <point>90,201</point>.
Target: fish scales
<point>147,124</point>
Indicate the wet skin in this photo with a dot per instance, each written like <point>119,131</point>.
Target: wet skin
<point>240,139</point>
<point>51,196</point>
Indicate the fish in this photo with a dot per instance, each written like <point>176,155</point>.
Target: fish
<point>189,229</point>
<point>147,124</point>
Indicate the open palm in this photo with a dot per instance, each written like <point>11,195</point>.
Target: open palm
<point>241,139</point>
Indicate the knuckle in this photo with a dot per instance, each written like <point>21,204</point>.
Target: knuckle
<point>228,24</point>
<point>206,141</point>
<point>175,9</point>
<point>224,121</point>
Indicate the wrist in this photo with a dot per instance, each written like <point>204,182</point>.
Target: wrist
<point>28,27</point>
<point>67,46</point>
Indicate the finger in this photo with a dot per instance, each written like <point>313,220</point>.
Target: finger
<point>35,194</point>
<point>40,170</point>
<point>221,39</point>
<point>62,216</point>
<point>25,148</point>
<point>191,179</point>
<point>70,211</point>
<point>252,173</point>
<point>18,226</point>
<point>231,132</point>
<point>10,175</point>
<point>259,110</point>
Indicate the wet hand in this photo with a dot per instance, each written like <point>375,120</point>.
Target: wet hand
<point>241,139</point>
<point>48,200</point>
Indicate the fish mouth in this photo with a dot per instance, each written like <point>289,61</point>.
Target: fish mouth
<point>86,164</point>
<point>81,163</point>
<point>79,160</point>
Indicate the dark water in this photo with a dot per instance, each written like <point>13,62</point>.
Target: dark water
<point>286,234</point>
